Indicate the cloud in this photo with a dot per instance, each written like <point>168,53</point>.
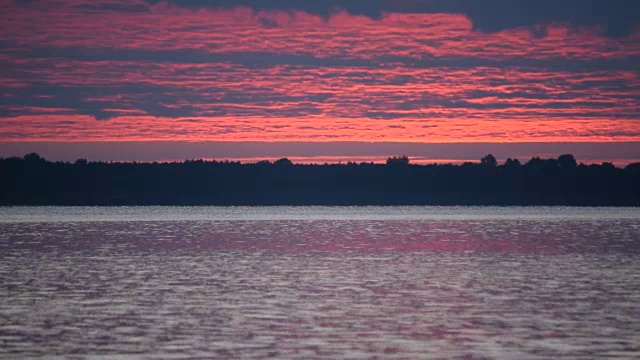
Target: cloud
<point>112,6</point>
<point>617,16</point>
<point>315,71</point>
<point>257,59</point>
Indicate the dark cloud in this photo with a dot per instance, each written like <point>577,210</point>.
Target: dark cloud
<point>188,56</point>
<point>131,8</point>
<point>265,60</point>
<point>618,16</point>
<point>79,99</point>
<point>155,100</point>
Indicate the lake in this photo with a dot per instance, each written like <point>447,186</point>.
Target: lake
<point>319,282</point>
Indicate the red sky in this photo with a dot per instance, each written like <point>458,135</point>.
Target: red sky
<point>138,71</point>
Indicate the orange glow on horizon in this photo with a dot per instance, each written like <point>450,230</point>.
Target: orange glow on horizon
<point>312,129</point>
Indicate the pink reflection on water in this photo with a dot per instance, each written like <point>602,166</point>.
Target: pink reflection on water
<point>329,236</point>
<point>369,237</point>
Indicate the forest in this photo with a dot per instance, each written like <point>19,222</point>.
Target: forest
<point>33,180</point>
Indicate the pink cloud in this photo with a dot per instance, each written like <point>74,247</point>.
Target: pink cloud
<point>241,74</point>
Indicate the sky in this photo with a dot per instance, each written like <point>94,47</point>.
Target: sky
<point>320,81</point>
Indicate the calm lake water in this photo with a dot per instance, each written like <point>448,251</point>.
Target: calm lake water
<point>320,282</point>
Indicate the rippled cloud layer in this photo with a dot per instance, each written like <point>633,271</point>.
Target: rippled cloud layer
<point>410,71</point>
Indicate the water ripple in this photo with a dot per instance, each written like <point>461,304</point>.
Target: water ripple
<point>321,288</point>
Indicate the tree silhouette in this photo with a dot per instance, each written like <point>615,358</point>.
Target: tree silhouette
<point>567,161</point>
<point>32,180</point>
<point>398,160</point>
<point>283,162</point>
<point>489,161</point>
<point>512,163</point>
<point>33,158</point>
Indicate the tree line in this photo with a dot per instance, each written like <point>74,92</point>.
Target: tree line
<point>33,180</point>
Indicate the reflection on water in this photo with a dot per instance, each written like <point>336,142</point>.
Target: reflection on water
<point>315,286</point>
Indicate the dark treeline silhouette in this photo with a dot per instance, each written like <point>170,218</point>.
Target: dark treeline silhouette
<point>33,180</point>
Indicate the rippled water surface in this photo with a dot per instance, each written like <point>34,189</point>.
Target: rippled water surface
<point>320,282</point>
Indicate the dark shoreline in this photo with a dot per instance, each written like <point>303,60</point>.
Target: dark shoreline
<point>35,181</point>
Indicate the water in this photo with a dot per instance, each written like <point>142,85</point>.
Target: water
<point>320,282</point>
